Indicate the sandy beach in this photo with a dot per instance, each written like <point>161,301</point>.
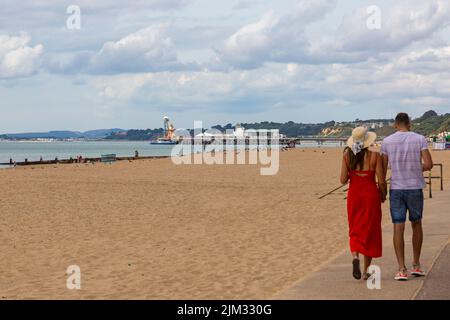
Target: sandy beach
<point>149,229</point>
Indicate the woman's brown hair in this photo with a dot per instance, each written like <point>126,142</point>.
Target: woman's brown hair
<point>357,160</point>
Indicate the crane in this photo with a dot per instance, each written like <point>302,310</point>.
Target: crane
<point>169,129</point>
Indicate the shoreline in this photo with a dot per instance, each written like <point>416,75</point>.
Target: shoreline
<point>122,158</point>
<point>75,161</point>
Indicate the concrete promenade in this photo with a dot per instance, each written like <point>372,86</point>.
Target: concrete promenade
<point>334,280</point>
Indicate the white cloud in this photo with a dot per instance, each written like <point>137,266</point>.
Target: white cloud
<point>243,4</point>
<point>402,25</point>
<point>278,37</point>
<point>14,7</point>
<point>426,101</point>
<point>149,49</point>
<point>277,84</point>
<point>297,57</point>
<point>338,103</point>
<point>426,61</point>
<point>372,80</point>
<point>17,57</point>
<point>269,85</point>
<point>120,86</point>
<point>139,4</point>
<point>274,38</point>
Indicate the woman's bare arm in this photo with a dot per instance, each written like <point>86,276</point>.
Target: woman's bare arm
<point>381,177</point>
<point>344,169</point>
<point>385,164</point>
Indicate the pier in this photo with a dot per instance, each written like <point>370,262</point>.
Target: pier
<point>292,142</point>
<point>265,140</point>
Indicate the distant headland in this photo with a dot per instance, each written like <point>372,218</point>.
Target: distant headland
<point>429,124</point>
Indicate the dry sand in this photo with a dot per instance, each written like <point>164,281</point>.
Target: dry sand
<point>150,229</point>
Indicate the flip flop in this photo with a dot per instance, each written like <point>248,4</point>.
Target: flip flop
<point>356,269</point>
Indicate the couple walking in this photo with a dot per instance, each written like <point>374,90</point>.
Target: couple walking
<point>407,154</point>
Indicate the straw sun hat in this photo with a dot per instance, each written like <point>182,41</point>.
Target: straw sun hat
<point>361,138</point>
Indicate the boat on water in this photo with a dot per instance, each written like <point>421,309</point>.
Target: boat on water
<point>163,141</point>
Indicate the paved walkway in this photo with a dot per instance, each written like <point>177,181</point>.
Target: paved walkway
<point>335,281</point>
<point>437,284</point>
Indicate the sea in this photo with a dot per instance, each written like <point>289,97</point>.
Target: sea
<point>34,150</point>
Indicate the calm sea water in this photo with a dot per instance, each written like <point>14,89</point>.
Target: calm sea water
<point>19,151</point>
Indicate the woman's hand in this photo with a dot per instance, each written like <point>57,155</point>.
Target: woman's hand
<point>382,186</point>
<point>381,178</point>
<point>383,196</point>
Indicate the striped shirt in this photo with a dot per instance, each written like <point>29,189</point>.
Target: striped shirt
<point>405,159</point>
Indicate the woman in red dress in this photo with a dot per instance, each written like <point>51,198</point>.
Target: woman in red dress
<point>362,167</point>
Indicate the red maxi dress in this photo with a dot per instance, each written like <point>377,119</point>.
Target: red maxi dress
<point>364,213</point>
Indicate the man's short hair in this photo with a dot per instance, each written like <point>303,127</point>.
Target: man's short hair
<point>402,118</point>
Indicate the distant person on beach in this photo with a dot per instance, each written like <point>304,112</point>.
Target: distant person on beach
<point>363,167</point>
<point>404,152</point>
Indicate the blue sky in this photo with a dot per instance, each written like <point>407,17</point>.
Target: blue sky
<point>219,62</point>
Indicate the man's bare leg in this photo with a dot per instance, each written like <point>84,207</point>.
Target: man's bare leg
<point>399,244</point>
<point>417,239</point>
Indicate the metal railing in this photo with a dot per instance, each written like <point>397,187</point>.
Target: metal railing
<point>430,177</point>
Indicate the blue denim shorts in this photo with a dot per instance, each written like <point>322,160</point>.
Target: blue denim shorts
<point>406,200</point>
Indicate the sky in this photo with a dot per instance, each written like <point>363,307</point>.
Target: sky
<point>117,64</point>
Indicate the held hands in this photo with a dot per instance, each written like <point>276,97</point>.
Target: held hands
<point>383,196</point>
<point>382,186</point>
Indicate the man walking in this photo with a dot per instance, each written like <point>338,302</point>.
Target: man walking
<point>408,156</point>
